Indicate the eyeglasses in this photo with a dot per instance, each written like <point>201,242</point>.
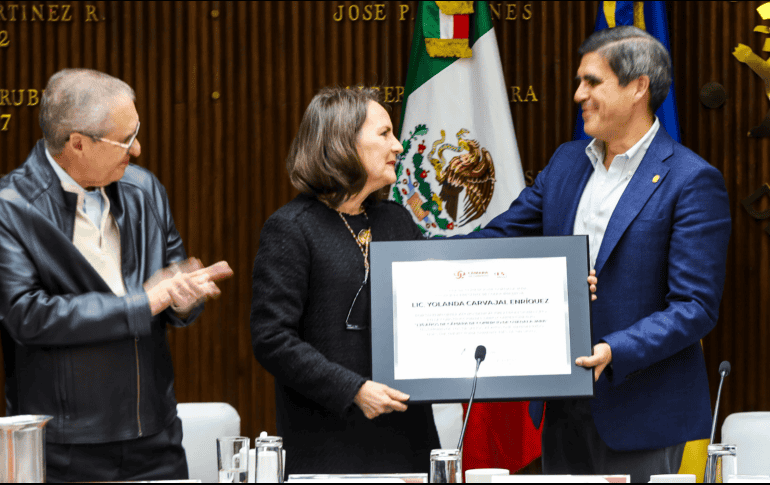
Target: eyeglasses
<point>349,325</point>
<point>128,145</point>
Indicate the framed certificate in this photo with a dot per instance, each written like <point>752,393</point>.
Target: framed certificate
<point>525,299</point>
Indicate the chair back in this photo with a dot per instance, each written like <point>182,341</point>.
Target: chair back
<point>202,424</point>
<point>750,432</point>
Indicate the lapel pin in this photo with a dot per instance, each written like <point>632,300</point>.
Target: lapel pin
<point>656,179</point>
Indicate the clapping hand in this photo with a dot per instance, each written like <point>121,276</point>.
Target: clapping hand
<point>183,286</point>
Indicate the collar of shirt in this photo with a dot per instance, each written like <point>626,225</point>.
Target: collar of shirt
<point>91,203</point>
<point>630,160</point>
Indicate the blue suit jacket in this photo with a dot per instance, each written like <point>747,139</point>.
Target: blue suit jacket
<point>661,270</point>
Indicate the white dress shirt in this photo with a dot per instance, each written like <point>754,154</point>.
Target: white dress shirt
<point>605,188</point>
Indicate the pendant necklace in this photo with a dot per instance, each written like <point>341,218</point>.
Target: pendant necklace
<point>363,240</point>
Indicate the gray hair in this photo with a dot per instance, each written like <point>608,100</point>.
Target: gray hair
<point>633,53</point>
<point>79,100</point>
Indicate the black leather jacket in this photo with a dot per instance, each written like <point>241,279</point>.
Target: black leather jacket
<point>98,363</point>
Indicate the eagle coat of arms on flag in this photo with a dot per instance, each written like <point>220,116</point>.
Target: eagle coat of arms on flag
<point>448,188</point>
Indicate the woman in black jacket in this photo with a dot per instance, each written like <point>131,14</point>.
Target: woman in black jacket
<point>310,308</point>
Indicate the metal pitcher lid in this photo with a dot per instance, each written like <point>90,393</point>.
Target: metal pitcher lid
<point>719,448</point>
<point>17,423</point>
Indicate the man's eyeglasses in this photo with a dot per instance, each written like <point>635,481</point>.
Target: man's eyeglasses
<point>128,145</point>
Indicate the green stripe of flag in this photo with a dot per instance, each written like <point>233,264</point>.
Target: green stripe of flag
<point>422,67</point>
<point>432,28</point>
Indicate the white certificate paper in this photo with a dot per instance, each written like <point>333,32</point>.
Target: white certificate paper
<point>517,308</point>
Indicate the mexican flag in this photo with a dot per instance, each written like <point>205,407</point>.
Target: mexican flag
<point>460,169</point>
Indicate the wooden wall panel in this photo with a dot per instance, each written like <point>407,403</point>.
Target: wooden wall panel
<point>704,35</point>
<point>222,157</point>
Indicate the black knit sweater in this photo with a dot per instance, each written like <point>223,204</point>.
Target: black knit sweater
<point>306,275</point>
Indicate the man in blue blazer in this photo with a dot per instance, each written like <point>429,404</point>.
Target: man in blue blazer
<point>658,220</point>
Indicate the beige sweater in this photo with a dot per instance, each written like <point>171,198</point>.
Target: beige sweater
<point>99,245</point>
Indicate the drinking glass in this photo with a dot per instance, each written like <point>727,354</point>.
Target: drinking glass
<point>233,459</point>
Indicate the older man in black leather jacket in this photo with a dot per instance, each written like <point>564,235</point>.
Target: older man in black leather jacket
<point>93,272</point>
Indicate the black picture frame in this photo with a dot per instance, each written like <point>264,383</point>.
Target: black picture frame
<point>579,384</point>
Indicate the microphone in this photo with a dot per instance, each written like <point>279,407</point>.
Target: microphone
<point>724,368</point>
<point>481,354</point>
<point>724,371</point>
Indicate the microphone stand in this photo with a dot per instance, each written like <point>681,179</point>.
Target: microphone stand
<point>716,410</point>
<point>468,413</point>
<point>714,471</point>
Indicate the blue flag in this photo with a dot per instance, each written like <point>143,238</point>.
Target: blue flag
<point>649,16</point>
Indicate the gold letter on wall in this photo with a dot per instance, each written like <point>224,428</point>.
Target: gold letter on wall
<point>91,14</point>
<point>404,11</point>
